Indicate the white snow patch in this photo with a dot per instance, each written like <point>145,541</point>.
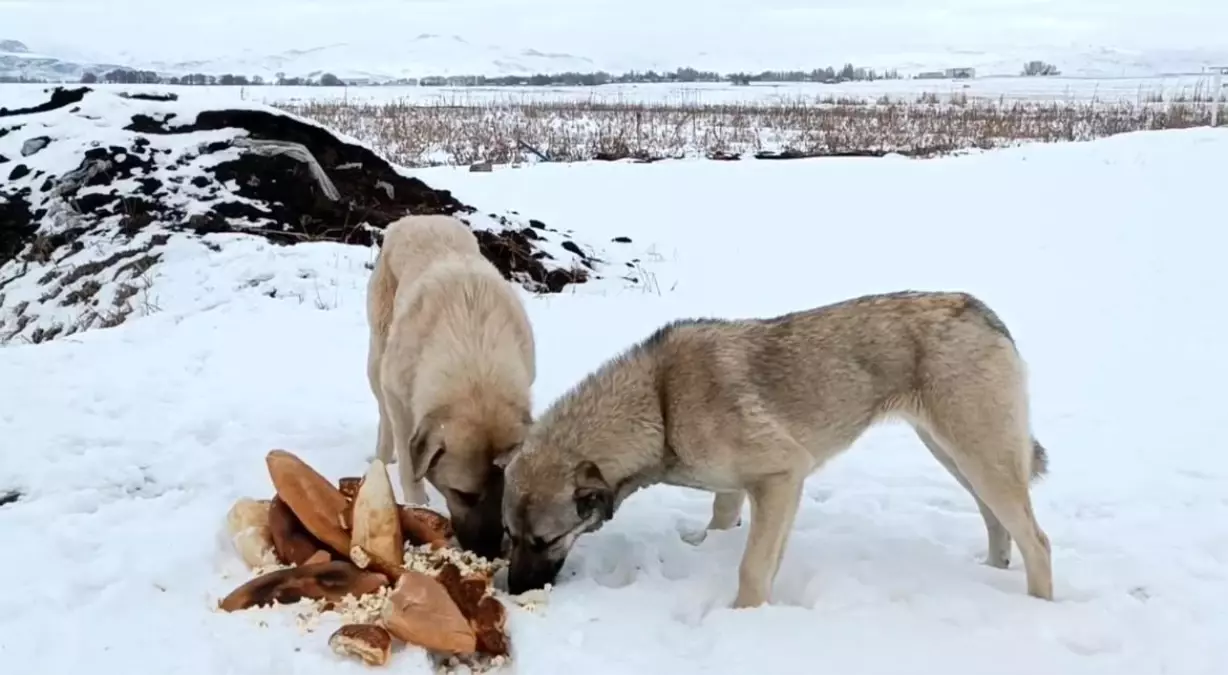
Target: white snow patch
<point>129,444</point>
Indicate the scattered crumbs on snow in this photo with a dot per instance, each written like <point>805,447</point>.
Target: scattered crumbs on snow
<point>430,560</point>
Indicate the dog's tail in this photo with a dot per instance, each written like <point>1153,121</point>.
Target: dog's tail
<point>382,295</point>
<point>1040,459</point>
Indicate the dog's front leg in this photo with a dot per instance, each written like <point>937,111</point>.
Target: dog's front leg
<point>384,444</point>
<point>726,514</point>
<point>400,419</point>
<point>773,506</point>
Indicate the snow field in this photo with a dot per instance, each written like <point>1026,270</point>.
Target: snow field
<point>1059,89</point>
<point>130,443</point>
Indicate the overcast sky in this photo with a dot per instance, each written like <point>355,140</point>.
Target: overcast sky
<point>605,29</point>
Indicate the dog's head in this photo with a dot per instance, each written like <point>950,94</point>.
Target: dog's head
<point>550,498</point>
<point>457,450</point>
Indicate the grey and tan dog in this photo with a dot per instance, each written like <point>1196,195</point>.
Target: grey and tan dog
<point>752,407</point>
<point>451,364</point>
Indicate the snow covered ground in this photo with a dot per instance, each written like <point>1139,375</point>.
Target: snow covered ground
<point>1104,258</point>
<point>1136,90</point>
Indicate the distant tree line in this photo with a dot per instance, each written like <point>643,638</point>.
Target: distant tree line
<point>1039,68</point>
<point>828,75</point>
<point>125,76</point>
<point>681,75</point>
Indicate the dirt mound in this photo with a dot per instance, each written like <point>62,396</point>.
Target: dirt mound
<point>98,183</point>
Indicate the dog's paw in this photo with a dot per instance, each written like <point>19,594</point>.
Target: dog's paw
<point>416,495</point>
<point>692,536</point>
<point>1001,563</point>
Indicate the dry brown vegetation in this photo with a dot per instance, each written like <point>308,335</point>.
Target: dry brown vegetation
<point>416,134</point>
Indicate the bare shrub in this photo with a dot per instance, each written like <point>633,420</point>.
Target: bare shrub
<point>435,134</point>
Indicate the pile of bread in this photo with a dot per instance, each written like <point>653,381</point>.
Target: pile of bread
<point>325,542</point>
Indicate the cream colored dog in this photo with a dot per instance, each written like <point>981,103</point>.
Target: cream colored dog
<point>451,364</point>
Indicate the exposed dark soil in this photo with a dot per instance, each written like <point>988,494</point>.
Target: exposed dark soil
<point>17,226</point>
<point>274,195</point>
<point>60,97</point>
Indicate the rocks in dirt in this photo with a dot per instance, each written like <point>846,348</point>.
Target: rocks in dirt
<point>153,166</point>
<point>374,191</point>
<point>33,145</point>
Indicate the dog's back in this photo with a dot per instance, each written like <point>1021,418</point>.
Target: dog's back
<point>848,364</point>
<point>465,329</point>
<point>411,244</point>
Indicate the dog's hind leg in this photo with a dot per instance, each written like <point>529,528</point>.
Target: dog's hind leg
<point>999,552</point>
<point>984,431</point>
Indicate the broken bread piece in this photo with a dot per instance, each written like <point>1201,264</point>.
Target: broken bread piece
<point>370,642</point>
<point>420,612</point>
<point>328,581</point>
<point>313,500</point>
<point>375,524</point>
<point>247,522</point>
<point>292,542</point>
<point>424,526</point>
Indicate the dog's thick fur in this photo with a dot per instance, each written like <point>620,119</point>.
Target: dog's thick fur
<point>752,407</point>
<point>451,364</point>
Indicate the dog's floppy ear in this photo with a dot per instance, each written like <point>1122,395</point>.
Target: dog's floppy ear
<point>502,459</point>
<point>424,449</point>
<point>593,493</point>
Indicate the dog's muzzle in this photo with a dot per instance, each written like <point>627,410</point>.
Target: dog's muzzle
<point>481,534</point>
<point>528,570</point>
<point>480,529</point>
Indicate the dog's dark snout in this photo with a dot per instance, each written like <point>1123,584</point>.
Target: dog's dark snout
<point>480,528</point>
<point>480,535</point>
<point>529,571</point>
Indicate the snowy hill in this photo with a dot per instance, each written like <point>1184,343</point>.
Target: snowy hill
<point>17,61</point>
<point>1074,61</point>
<point>125,446</point>
<point>419,56</point>
<point>431,54</point>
